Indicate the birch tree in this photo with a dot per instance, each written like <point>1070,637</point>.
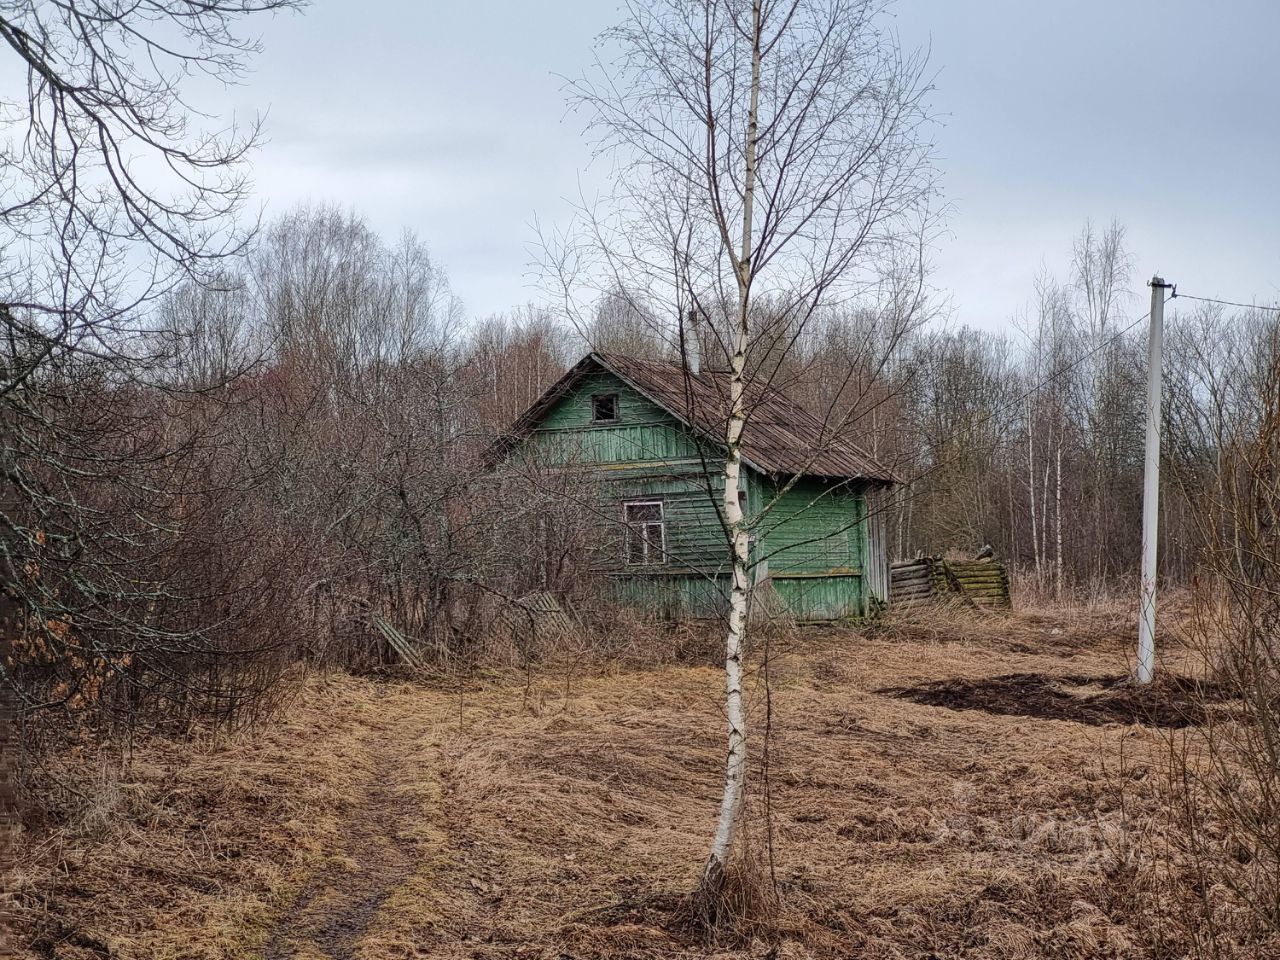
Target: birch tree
<point>1104,394</point>
<point>764,152</point>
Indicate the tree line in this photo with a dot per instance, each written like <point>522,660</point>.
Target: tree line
<point>292,461</point>
<point>1028,438</point>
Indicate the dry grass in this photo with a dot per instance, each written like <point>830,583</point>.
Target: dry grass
<point>544,818</point>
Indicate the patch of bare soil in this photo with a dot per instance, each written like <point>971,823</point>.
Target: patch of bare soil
<point>1172,702</point>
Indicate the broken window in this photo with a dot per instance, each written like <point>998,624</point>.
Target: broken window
<point>644,532</point>
<point>604,408</point>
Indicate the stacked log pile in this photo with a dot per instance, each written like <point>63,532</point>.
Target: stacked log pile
<point>984,583</point>
<point>915,581</point>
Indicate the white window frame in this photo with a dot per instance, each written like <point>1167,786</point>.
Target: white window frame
<point>641,528</point>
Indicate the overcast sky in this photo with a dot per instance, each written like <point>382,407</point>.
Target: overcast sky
<point>448,119</point>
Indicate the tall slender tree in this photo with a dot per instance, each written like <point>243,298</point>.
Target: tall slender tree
<point>771,160</point>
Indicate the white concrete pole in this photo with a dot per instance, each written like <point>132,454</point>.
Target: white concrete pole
<point>1151,490</point>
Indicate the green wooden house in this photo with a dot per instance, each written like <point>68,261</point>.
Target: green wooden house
<point>648,431</point>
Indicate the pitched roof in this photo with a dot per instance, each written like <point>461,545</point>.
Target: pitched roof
<point>780,437</point>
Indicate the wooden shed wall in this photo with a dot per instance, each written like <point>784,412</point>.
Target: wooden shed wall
<point>645,454</point>
<point>643,433</point>
<point>876,563</point>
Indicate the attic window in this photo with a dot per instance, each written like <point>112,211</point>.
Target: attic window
<point>645,530</point>
<point>604,408</point>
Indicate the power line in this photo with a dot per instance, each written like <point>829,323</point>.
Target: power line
<point>971,429</point>
<point>1226,303</point>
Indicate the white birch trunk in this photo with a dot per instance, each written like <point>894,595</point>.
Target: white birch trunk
<point>1042,565</point>
<point>736,760</point>
<point>1031,487</point>
<point>1057,520</point>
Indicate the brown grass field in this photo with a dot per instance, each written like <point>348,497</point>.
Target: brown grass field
<point>920,807</point>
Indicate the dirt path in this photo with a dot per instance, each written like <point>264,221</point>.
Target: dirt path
<point>383,849</point>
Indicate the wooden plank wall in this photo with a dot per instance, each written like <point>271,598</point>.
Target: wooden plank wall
<point>912,581</point>
<point>985,582</point>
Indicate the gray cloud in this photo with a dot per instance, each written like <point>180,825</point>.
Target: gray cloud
<point>449,119</point>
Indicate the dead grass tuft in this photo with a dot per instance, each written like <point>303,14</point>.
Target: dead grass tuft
<point>736,906</point>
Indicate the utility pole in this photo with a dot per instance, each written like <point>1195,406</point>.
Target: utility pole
<point>1151,489</point>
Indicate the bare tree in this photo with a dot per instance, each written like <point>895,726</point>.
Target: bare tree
<point>112,191</point>
<point>767,153</point>
<point>1225,774</point>
<point>515,356</point>
<point>368,410</point>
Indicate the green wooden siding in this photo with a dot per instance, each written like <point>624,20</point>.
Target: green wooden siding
<point>812,527</point>
<point>811,537</point>
<point>673,597</point>
<point>695,538</point>
<point>643,432</point>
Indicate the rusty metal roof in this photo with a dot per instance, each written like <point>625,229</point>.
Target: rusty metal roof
<point>780,437</point>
